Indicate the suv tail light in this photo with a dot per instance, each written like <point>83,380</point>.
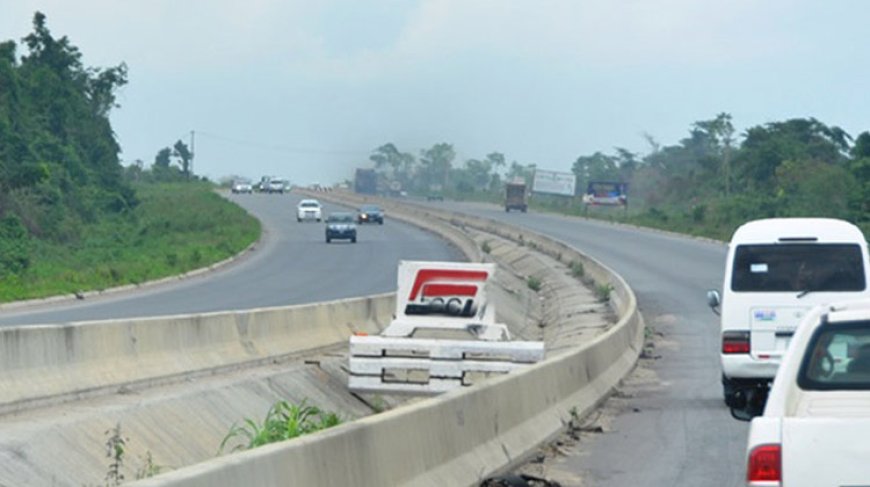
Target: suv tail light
<point>735,342</point>
<point>765,465</point>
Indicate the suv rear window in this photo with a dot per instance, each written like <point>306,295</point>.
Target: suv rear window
<point>798,267</point>
<point>837,358</point>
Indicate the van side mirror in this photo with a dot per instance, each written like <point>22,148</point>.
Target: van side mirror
<point>713,300</point>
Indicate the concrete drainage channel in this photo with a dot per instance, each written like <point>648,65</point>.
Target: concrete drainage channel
<point>459,437</point>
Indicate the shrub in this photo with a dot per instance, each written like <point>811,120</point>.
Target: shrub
<point>602,291</point>
<point>577,269</point>
<point>14,246</point>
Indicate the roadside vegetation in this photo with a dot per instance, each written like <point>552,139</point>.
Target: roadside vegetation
<point>175,228</point>
<point>72,218</point>
<point>706,184</point>
<point>283,421</point>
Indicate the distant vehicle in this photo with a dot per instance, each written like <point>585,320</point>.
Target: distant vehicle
<point>606,193</point>
<point>515,196</point>
<point>340,226</point>
<point>815,424</point>
<point>242,186</point>
<point>776,270</point>
<point>435,193</point>
<point>277,185</point>
<point>370,214</point>
<point>263,185</point>
<point>365,181</point>
<point>309,209</point>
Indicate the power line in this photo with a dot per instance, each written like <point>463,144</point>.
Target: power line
<point>281,148</point>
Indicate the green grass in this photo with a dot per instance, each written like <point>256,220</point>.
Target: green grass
<point>177,227</point>
<point>283,421</point>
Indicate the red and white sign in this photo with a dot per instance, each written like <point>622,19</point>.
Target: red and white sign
<point>444,291</point>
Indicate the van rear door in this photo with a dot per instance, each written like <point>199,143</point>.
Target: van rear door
<point>772,328</point>
<point>789,278</point>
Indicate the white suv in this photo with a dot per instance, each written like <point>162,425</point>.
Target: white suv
<point>309,210</point>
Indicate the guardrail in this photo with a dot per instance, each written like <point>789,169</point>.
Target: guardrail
<point>463,436</point>
<point>44,364</point>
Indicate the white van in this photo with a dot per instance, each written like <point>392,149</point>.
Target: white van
<point>776,270</point>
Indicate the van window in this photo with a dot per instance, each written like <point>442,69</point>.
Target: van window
<point>837,358</point>
<point>798,267</point>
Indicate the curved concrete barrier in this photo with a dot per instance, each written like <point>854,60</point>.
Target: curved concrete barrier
<point>51,363</point>
<point>463,436</point>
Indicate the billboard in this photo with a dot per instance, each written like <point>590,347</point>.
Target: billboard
<point>606,193</point>
<point>553,182</point>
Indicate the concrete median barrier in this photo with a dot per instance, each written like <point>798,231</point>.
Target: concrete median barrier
<point>52,363</point>
<point>461,437</point>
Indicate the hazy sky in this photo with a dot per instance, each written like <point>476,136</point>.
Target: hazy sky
<point>306,89</point>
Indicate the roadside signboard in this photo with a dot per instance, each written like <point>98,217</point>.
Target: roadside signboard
<point>561,183</point>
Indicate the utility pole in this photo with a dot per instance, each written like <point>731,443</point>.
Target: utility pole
<point>192,153</point>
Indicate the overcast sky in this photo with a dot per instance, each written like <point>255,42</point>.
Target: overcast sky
<point>306,89</point>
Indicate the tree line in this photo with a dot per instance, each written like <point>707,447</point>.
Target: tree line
<point>59,159</point>
<point>59,166</point>
<point>712,177</point>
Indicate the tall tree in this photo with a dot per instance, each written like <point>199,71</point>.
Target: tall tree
<point>437,162</point>
<point>720,131</point>
<point>163,158</point>
<point>181,151</point>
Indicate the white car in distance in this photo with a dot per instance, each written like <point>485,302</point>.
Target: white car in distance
<point>242,186</point>
<point>309,209</point>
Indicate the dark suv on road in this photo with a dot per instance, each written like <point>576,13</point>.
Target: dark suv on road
<point>370,214</point>
<point>340,226</point>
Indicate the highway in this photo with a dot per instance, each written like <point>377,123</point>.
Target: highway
<point>675,429</point>
<point>292,264</point>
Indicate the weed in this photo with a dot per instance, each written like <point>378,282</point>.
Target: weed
<point>577,269</point>
<point>149,468</point>
<point>602,291</point>
<point>283,421</point>
<point>534,283</point>
<point>378,404</point>
<point>485,247</point>
<point>115,450</point>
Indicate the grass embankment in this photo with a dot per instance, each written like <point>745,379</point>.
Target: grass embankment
<point>177,227</point>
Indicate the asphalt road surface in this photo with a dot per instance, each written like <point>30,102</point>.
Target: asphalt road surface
<point>675,430</point>
<point>291,265</point>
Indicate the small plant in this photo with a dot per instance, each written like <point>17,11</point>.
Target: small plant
<point>602,291</point>
<point>577,269</point>
<point>283,422</point>
<point>149,468</point>
<point>115,450</point>
<point>485,247</point>
<point>534,283</point>
<point>378,404</point>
